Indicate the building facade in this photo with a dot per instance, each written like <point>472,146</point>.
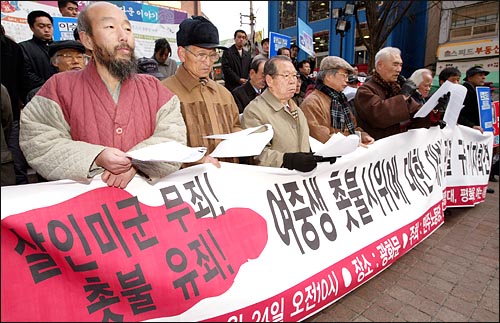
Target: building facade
<point>323,17</point>
<point>468,36</point>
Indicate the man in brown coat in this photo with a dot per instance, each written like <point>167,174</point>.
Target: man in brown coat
<point>384,105</point>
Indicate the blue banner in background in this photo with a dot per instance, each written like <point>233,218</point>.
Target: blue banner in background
<point>485,107</point>
<point>63,28</point>
<point>276,41</point>
<point>305,37</point>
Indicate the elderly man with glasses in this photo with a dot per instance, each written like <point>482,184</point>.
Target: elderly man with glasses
<point>208,108</point>
<point>289,147</point>
<point>64,55</point>
<point>327,109</point>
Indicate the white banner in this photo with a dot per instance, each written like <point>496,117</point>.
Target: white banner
<point>238,243</point>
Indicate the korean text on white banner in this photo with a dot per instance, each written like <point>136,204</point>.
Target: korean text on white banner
<point>238,243</point>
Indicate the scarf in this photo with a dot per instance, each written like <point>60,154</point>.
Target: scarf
<point>341,115</point>
<point>390,88</point>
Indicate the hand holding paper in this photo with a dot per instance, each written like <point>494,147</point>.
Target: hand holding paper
<point>169,151</point>
<point>247,142</point>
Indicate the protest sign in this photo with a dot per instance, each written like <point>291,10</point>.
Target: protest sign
<point>237,243</point>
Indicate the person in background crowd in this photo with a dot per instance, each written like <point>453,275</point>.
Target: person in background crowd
<point>451,74</point>
<point>326,109</point>
<point>362,78</point>
<point>284,51</point>
<point>207,107</point>
<point>236,62</point>
<point>264,54</point>
<point>162,55</point>
<point>245,93</point>
<point>68,136</point>
<point>304,68</point>
<point>146,65</point>
<point>298,98</point>
<point>12,71</point>
<point>65,55</point>
<point>352,87</point>
<point>294,53</point>
<point>355,70</point>
<point>469,115</point>
<point>423,79</point>
<point>8,174</point>
<point>289,147</point>
<point>36,50</point>
<point>68,8</point>
<point>382,103</point>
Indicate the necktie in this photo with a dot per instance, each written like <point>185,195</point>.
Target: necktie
<point>294,113</point>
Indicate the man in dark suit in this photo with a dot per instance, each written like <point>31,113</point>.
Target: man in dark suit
<point>236,62</point>
<point>245,93</point>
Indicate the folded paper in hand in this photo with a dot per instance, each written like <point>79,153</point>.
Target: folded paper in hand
<point>247,142</point>
<point>337,145</point>
<point>170,151</point>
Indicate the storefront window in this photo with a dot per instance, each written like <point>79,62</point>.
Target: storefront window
<point>478,20</point>
<point>319,10</point>
<point>321,41</point>
<point>288,14</point>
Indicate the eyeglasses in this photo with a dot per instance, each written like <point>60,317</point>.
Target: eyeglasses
<point>68,56</point>
<point>289,77</point>
<point>344,75</point>
<point>203,56</point>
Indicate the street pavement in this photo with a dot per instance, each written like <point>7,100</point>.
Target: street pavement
<point>452,276</point>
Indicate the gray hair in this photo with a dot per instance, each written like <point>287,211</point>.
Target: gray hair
<point>270,66</point>
<point>418,75</point>
<point>385,53</point>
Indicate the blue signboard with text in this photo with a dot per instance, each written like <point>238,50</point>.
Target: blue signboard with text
<point>276,41</point>
<point>485,107</point>
<point>305,37</point>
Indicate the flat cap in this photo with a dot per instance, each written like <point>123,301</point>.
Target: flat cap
<point>64,44</point>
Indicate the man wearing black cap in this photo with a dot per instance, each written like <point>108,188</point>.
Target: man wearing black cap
<point>82,123</point>
<point>64,55</point>
<point>149,66</point>
<point>469,115</point>
<point>208,108</point>
<point>67,55</point>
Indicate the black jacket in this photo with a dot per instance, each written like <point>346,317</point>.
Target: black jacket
<point>235,67</point>
<point>12,70</point>
<point>469,115</point>
<point>36,62</point>
<point>243,94</point>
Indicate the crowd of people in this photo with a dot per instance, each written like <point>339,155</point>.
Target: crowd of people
<point>126,103</point>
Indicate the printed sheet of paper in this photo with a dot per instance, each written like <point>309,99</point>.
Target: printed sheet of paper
<point>170,151</point>
<point>337,145</point>
<point>247,142</point>
<point>455,104</point>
